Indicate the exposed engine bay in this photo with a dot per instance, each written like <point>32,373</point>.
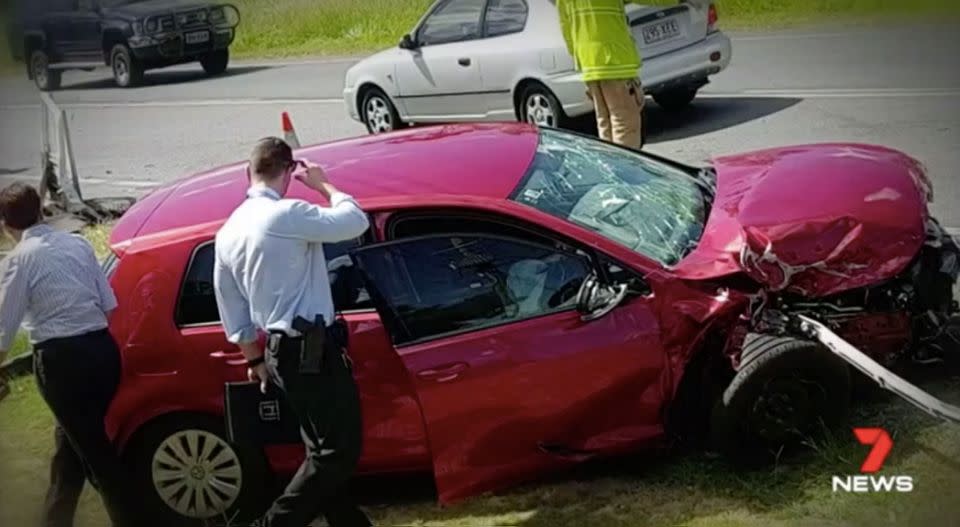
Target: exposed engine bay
<point>913,317</point>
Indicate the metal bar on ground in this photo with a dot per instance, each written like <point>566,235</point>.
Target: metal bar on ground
<point>882,376</point>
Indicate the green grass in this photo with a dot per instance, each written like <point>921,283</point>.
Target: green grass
<point>687,490</point>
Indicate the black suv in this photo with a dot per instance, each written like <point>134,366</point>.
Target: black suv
<point>130,36</point>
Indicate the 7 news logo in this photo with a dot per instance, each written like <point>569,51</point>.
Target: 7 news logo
<point>868,481</point>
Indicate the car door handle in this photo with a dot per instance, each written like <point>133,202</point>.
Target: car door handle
<point>444,373</point>
<point>464,62</point>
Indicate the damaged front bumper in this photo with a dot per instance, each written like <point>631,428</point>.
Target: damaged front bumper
<point>882,376</point>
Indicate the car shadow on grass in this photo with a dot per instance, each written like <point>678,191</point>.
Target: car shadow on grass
<point>162,77</point>
<point>704,115</point>
<point>677,487</point>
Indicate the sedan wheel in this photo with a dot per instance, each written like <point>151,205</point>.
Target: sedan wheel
<point>187,473</point>
<point>197,474</point>
<point>378,115</point>
<point>539,111</point>
<point>541,108</point>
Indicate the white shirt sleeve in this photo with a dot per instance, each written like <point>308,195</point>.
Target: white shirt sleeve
<point>13,299</point>
<point>343,220</point>
<point>233,306</point>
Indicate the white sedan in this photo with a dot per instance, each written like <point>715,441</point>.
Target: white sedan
<point>497,60</point>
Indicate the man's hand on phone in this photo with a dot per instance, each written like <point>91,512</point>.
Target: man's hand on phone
<point>313,176</point>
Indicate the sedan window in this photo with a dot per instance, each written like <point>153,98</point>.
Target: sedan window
<point>505,17</point>
<point>198,303</point>
<point>454,21</point>
<point>441,285</point>
<point>651,207</point>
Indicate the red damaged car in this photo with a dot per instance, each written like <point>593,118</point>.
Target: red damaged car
<point>528,299</point>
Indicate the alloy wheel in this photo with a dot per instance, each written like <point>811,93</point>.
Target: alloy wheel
<point>539,111</point>
<point>379,116</point>
<point>197,474</point>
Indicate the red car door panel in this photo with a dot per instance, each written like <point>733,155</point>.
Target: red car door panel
<point>511,381</point>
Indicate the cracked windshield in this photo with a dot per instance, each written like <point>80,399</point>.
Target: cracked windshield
<point>648,206</point>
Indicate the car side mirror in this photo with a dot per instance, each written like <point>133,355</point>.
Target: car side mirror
<point>408,43</point>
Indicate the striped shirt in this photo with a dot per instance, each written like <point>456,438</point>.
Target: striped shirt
<point>52,283</point>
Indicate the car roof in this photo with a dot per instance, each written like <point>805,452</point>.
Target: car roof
<point>466,160</point>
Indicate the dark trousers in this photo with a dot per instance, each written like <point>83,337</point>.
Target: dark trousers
<point>67,477</point>
<point>328,407</point>
<point>78,377</point>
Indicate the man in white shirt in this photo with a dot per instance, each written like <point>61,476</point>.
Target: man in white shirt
<point>51,282</point>
<point>271,276</point>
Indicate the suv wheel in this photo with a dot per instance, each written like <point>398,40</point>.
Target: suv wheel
<point>127,70</point>
<point>45,78</point>
<point>216,62</point>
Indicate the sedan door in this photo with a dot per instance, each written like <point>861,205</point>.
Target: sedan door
<point>439,80</point>
<point>511,380</point>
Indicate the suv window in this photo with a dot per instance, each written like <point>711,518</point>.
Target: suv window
<point>198,302</point>
<point>453,21</point>
<point>445,284</point>
<point>505,17</point>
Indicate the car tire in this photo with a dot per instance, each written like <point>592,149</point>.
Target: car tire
<point>43,77</point>
<point>540,107</point>
<point>127,69</point>
<point>161,475</point>
<point>379,113</point>
<point>786,391</point>
<point>676,98</point>
<point>216,62</point>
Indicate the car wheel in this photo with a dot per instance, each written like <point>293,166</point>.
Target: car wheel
<point>187,473</point>
<point>127,70</point>
<point>676,98</point>
<point>786,391</point>
<point>45,78</point>
<point>540,107</point>
<point>379,113</point>
<point>216,63</point>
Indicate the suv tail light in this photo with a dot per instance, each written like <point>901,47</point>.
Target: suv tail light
<point>712,17</point>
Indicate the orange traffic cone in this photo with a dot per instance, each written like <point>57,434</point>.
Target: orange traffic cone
<point>289,134</point>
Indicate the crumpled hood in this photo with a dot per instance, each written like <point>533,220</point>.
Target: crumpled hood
<point>814,219</point>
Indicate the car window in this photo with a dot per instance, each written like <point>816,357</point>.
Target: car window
<point>431,223</point>
<point>505,17</point>
<point>198,302</point>
<point>646,205</point>
<point>454,21</point>
<point>441,285</point>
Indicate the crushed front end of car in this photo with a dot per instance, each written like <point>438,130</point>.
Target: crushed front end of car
<point>836,250</point>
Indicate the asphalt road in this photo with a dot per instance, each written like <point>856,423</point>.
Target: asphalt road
<point>893,86</point>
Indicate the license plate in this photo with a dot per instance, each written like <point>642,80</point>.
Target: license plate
<point>198,37</point>
<point>660,31</point>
